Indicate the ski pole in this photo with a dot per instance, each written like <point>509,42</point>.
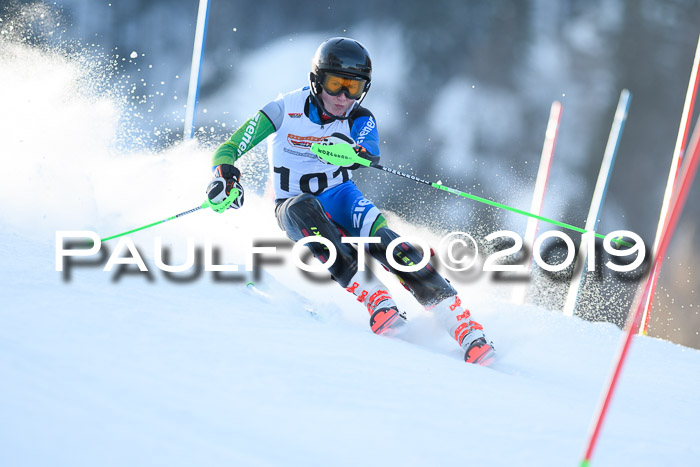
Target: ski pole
<point>218,207</point>
<point>343,154</point>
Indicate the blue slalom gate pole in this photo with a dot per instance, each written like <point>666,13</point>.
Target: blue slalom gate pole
<point>196,68</point>
<point>601,188</point>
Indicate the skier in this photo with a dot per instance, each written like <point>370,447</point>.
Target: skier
<point>316,198</point>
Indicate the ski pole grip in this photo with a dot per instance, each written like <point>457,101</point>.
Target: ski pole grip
<point>224,205</point>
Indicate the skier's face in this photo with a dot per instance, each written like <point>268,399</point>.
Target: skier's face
<point>336,105</point>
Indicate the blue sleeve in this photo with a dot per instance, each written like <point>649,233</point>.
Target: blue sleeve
<point>364,132</point>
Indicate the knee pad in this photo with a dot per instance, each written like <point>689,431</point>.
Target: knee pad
<point>426,284</point>
<point>299,214</point>
<point>303,216</point>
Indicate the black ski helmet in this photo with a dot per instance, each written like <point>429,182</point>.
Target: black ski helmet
<point>342,56</point>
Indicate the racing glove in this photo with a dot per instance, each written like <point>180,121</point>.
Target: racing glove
<point>226,178</point>
<point>336,138</point>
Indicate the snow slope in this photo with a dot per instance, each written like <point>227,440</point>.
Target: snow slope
<point>139,369</point>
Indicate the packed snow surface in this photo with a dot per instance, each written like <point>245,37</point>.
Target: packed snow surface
<point>125,367</point>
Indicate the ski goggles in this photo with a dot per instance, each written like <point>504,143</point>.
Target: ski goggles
<point>335,84</point>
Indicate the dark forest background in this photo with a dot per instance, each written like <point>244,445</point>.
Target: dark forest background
<point>462,95</point>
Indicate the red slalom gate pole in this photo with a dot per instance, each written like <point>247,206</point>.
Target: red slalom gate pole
<point>678,152</point>
<point>550,142</point>
<point>680,195</point>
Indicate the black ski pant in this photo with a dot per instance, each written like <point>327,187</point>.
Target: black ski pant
<point>304,216</point>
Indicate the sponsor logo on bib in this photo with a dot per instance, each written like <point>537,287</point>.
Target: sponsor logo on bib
<point>302,141</point>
